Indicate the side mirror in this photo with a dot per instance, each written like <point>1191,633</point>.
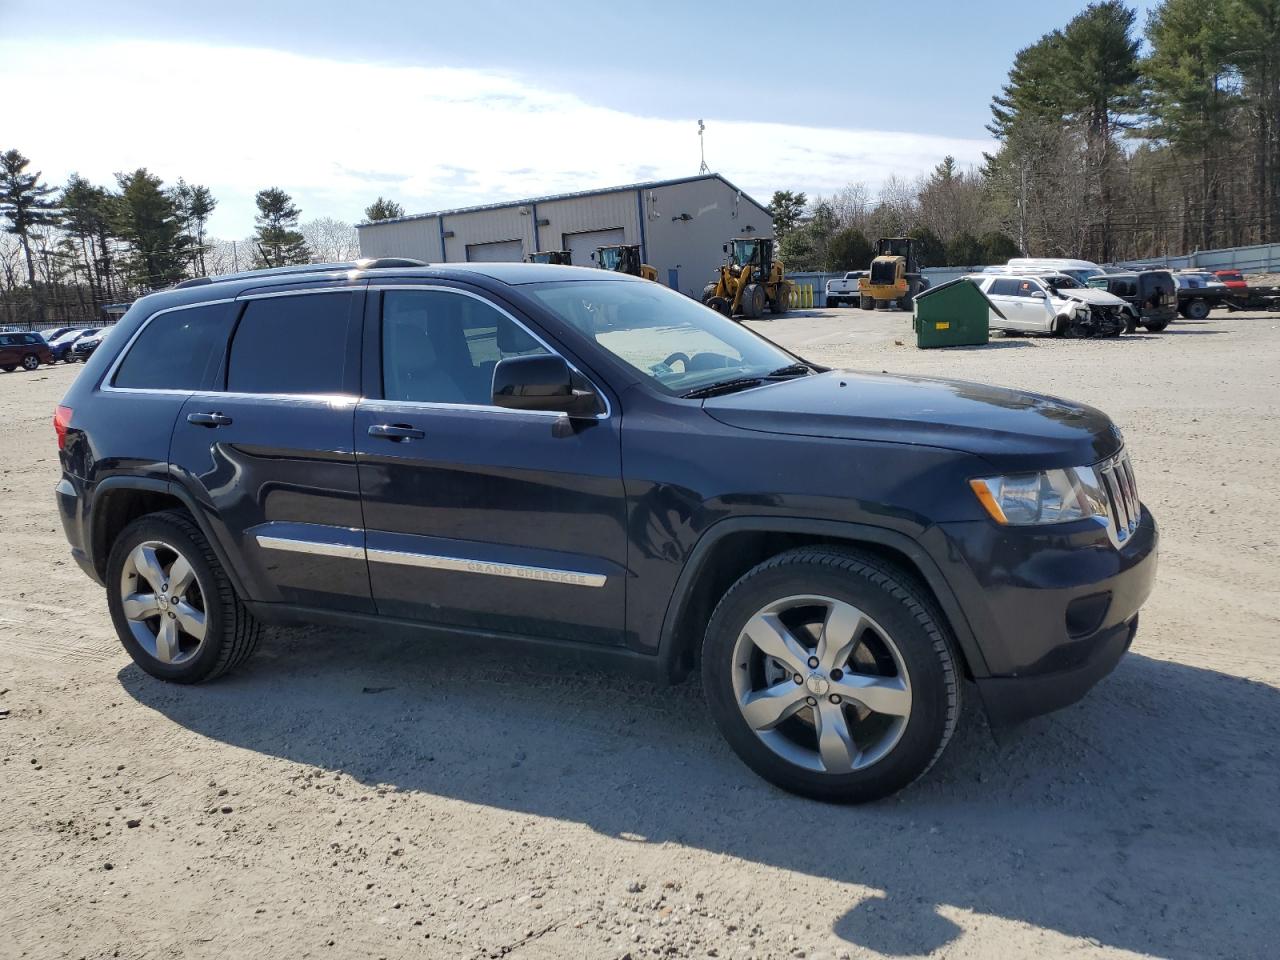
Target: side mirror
<point>541,382</point>
<point>1037,295</point>
<point>724,247</point>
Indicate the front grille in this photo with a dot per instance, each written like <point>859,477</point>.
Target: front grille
<point>1116,476</point>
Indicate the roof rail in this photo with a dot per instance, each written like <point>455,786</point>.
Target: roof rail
<point>367,263</point>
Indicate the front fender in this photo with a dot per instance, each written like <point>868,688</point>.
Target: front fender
<point>671,645</point>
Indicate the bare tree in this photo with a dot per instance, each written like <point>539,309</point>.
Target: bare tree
<point>330,240</point>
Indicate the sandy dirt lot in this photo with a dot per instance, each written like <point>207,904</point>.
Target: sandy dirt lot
<point>346,795</point>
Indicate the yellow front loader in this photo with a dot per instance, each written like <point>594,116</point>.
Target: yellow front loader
<point>624,258</point>
<point>894,277</point>
<point>749,280</point>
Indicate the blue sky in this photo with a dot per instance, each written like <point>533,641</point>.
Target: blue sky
<point>441,104</point>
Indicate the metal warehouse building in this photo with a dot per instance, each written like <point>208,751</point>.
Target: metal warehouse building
<point>679,224</point>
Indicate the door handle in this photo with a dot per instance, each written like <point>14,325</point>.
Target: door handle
<point>208,419</point>
<point>396,431</point>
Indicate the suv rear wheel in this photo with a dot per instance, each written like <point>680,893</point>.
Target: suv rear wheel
<point>173,607</point>
<point>30,362</point>
<point>830,675</point>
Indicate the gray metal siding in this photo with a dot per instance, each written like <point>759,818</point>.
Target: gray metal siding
<point>405,238</point>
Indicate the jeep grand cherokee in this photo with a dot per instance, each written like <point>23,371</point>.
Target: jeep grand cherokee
<point>583,458</point>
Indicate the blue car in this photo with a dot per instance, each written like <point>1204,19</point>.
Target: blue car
<point>61,345</point>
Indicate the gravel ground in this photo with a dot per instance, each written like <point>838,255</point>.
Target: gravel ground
<point>345,795</point>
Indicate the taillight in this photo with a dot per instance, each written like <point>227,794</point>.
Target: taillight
<point>61,420</point>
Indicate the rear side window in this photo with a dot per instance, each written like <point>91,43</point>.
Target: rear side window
<point>1004,288</point>
<point>178,350</point>
<point>292,344</point>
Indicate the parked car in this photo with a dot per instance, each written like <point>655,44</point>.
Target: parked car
<point>1078,270</point>
<point>1052,304</point>
<point>593,461</point>
<point>51,335</point>
<point>1151,294</point>
<point>1233,280</point>
<point>61,346</point>
<point>27,350</point>
<point>842,290</point>
<point>1199,291</point>
<point>84,345</point>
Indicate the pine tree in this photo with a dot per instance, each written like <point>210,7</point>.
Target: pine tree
<point>25,203</point>
<point>149,222</point>
<point>194,205</point>
<point>382,209</point>
<point>278,240</point>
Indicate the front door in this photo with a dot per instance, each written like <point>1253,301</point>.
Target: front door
<point>480,517</point>
<point>269,451</point>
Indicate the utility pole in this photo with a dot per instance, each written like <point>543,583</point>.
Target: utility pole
<point>1022,207</point>
<point>702,148</point>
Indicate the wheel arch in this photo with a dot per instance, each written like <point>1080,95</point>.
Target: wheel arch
<point>733,546</point>
<point>118,501</point>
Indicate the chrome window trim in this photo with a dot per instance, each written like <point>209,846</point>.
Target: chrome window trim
<point>311,547</point>
<point>486,408</point>
<point>488,568</point>
<point>301,293</point>
<point>108,384</point>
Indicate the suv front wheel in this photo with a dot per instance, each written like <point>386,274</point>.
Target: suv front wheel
<point>173,607</point>
<point>830,675</point>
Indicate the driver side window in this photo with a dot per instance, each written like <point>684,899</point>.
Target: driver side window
<point>442,347</point>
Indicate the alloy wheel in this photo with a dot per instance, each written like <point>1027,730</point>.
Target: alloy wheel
<point>163,602</point>
<point>821,684</point>
<point>30,362</point>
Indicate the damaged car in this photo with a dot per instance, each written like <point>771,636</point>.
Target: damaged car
<point>1053,304</point>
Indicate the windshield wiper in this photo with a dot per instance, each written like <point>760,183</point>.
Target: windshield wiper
<point>792,370</point>
<point>724,386</point>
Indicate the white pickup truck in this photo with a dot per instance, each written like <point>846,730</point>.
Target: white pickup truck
<point>844,289</point>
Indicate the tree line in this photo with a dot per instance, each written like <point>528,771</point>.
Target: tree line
<point>1108,149</point>
<point>65,252</point>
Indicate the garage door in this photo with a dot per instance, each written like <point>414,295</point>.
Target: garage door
<point>503,251</point>
<point>583,245</point>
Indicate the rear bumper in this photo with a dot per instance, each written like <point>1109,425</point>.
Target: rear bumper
<point>71,508</point>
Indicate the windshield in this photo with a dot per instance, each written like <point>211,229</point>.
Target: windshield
<point>746,251</point>
<point>1063,283</point>
<point>610,257</point>
<point>675,342</point>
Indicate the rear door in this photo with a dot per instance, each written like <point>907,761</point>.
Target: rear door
<point>1003,293</point>
<point>267,450</point>
<point>477,516</point>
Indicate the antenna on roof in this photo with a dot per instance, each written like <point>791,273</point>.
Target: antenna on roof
<point>702,148</point>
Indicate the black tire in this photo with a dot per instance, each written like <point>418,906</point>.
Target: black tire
<point>753,301</point>
<point>1068,328</point>
<point>231,632</point>
<point>1197,309</point>
<point>866,303</point>
<point>781,302</point>
<point>832,303</point>
<point>708,292</point>
<point>9,367</point>
<point>897,604</point>
<point>1155,326</point>
<point>905,303</point>
<point>1130,323</point>
<point>720,305</point>
<point>30,362</point>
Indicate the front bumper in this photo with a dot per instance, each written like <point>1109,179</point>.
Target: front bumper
<point>1052,609</point>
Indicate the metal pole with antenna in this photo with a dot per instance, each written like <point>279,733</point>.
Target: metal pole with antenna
<point>702,148</point>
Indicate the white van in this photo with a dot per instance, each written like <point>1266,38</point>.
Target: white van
<point>1078,270</point>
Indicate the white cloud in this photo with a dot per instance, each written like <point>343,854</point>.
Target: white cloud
<point>336,134</point>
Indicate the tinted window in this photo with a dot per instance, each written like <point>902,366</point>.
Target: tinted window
<point>1004,288</point>
<point>440,347</point>
<point>1027,288</point>
<point>177,350</point>
<point>291,345</point>
<point>6,339</point>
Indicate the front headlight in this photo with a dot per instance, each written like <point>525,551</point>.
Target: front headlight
<point>1051,496</point>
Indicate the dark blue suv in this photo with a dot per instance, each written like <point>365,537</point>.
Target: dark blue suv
<point>576,457</point>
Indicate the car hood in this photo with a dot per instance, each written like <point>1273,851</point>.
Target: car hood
<point>1101,298</point>
<point>1012,429</point>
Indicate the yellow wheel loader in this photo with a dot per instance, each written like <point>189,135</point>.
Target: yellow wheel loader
<point>750,279</point>
<point>624,258</point>
<point>562,257</point>
<point>894,277</point>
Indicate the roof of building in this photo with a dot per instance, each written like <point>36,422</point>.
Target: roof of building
<point>646,185</point>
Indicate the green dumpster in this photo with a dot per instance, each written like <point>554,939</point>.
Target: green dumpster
<point>952,314</point>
